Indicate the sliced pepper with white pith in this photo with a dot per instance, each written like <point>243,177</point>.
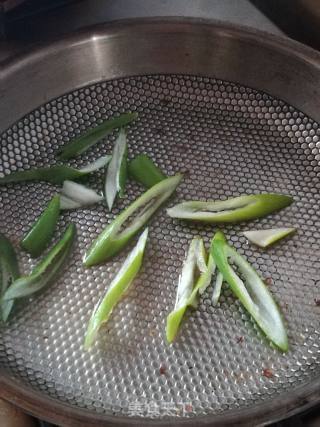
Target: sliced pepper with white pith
<point>250,289</point>
<point>55,174</point>
<point>236,209</point>
<point>9,272</point>
<point>217,288</point>
<point>115,237</point>
<point>75,195</point>
<point>193,280</point>
<point>44,272</point>
<point>117,288</point>
<point>264,238</point>
<point>117,170</point>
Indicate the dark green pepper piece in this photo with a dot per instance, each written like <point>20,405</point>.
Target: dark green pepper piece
<point>54,174</point>
<point>41,232</point>
<point>45,271</point>
<point>9,272</point>
<point>143,170</point>
<point>92,136</point>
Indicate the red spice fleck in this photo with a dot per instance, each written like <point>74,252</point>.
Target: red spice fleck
<point>268,281</point>
<point>162,370</point>
<point>267,373</point>
<point>317,301</point>
<point>188,408</point>
<point>239,340</point>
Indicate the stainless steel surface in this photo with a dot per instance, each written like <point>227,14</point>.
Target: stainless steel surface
<point>275,65</point>
<point>232,140</point>
<point>23,31</point>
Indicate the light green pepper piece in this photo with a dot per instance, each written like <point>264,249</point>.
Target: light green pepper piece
<point>117,288</point>
<point>188,289</point>
<point>237,209</point>
<point>265,238</point>
<point>116,175</point>
<point>217,288</point>
<point>251,291</point>
<point>9,272</point>
<point>114,238</point>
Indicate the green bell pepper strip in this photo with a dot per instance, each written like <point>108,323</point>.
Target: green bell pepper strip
<point>54,174</point>
<point>143,170</point>
<point>116,175</point>
<point>242,208</point>
<point>112,240</point>
<point>188,289</point>
<point>251,291</point>
<point>9,272</point>
<point>41,232</point>
<point>264,238</point>
<point>117,288</point>
<point>80,144</point>
<point>45,271</point>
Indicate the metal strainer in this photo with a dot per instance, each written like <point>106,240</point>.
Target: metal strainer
<point>230,139</point>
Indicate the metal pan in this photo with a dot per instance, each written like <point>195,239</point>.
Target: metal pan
<point>238,110</point>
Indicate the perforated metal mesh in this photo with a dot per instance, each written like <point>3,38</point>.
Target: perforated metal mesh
<point>229,140</point>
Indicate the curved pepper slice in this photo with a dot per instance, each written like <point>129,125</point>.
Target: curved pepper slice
<point>9,272</point>
<point>143,170</point>
<point>116,175</point>
<point>217,288</point>
<point>54,174</point>
<point>92,136</point>
<point>112,239</point>
<point>75,195</point>
<point>188,286</point>
<point>117,288</point>
<point>265,238</point>
<point>242,208</point>
<point>251,291</point>
<point>45,271</point>
<point>40,234</point>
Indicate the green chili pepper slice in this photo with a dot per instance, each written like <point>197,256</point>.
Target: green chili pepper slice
<point>117,288</point>
<point>188,287</point>
<point>41,232</point>
<point>112,240</point>
<point>75,195</point>
<point>54,174</point>
<point>117,170</point>
<point>92,136</point>
<point>265,238</point>
<point>251,291</point>
<point>9,272</point>
<point>46,270</point>
<point>217,288</point>
<point>237,209</point>
<point>143,170</point>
